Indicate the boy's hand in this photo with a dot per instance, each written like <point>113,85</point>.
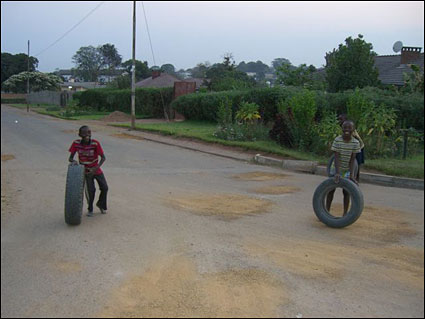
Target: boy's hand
<point>352,178</point>
<point>337,178</point>
<point>73,163</point>
<point>92,170</point>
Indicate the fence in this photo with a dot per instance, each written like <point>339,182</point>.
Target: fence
<point>50,97</point>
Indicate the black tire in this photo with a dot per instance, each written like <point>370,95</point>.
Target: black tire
<point>331,161</point>
<point>74,194</point>
<point>319,202</point>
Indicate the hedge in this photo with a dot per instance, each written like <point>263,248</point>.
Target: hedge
<point>149,101</point>
<point>13,101</point>
<point>203,106</point>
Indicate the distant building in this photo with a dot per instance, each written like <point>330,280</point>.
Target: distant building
<point>105,76</point>
<point>162,80</point>
<point>392,67</point>
<point>80,86</point>
<point>158,80</point>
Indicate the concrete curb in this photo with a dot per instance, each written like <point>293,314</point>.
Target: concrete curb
<point>314,168</point>
<point>310,167</point>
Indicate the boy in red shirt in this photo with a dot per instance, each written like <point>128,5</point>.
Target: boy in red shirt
<point>89,151</point>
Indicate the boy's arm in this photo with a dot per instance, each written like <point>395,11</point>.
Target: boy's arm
<point>352,159</point>
<point>71,158</point>
<point>337,174</point>
<point>102,160</point>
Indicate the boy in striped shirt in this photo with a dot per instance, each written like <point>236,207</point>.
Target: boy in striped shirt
<point>345,148</point>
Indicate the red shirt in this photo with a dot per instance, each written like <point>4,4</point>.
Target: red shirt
<point>88,154</point>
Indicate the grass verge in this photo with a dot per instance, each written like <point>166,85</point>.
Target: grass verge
<point>412,167</point>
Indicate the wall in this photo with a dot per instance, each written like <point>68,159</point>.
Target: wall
<point>50,97</point>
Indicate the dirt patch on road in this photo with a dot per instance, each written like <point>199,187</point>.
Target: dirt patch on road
<point>172,287</point>
<point>128,136</point>
<point>117,116</point>
<point>7,157</point>
<point>380,224</point>
<point>276,190</point>
<point>259,176</point>
<point>335,261</point>
<point>224,206</point>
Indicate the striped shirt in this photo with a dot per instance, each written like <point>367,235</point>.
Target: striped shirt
<point>88,154</point>
<point>345,149</point>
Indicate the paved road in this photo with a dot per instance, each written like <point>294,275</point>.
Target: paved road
<point>191,234</point>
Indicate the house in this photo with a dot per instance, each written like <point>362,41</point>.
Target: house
<point>80,86</point>
<point>392,67</point>
<point>162,80</point>
<point>158,80</point>
<point>104,75</point>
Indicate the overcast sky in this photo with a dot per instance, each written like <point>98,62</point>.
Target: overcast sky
<point>187,33</point>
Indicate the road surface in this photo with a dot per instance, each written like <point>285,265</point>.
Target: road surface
<point>194,235</point>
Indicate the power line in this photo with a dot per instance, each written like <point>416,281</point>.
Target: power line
<point>149,35</point>
<point>71,28</point>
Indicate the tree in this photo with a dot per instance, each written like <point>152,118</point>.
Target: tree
<point>295,76</point>
<point>89,61</point>
<point>12,64</point>
<point>257,67</point>
<point>110,57</point>
<point>351,65</point>
<point>276,63</point>
<point>200,70</point>
<point>142,69</point>
<point>414,81</point>
<point>38,82</point>
<point>168,68</point>
<point>224,76</point>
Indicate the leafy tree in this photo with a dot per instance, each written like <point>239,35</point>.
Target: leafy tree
<point>276,63</point>
<point>299,76</point>
<point>168,68</point>
<point>89,60</point>
<point>200,70</point>
<point>224,76</point>
<point>258,67</point>
<point>142,69</point>
<point>351,65</point>
<point>110,57</point>
<point>12,64</point>
<point>38,82</point>
<point>414,81</point>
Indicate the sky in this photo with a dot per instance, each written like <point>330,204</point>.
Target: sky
<point>187,33</point>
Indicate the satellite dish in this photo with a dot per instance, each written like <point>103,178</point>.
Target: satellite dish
<point>397,46</point>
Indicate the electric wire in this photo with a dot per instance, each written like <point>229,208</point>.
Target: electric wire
<point>66,33</point>
<point>154,62</point>
<point>149,35</point>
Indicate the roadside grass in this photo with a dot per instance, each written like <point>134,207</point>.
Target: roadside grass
<point>412,167</point>
<point>44,109</point>
<point>204,131</point>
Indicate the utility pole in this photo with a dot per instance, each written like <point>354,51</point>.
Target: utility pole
<point>28,78</point>
<point>133,74</point>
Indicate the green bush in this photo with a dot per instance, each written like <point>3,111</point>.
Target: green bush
<point>13,101</point>
<point>149,101</point>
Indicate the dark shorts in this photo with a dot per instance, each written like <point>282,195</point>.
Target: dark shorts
<point>360,157</point>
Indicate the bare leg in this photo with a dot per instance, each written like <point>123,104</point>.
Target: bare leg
<point>329,199</point>
<point>346,201</point>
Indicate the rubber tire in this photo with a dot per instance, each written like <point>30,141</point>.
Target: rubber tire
<point>74,194</point>
<point>330,162</point>
<point>319,203</point>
